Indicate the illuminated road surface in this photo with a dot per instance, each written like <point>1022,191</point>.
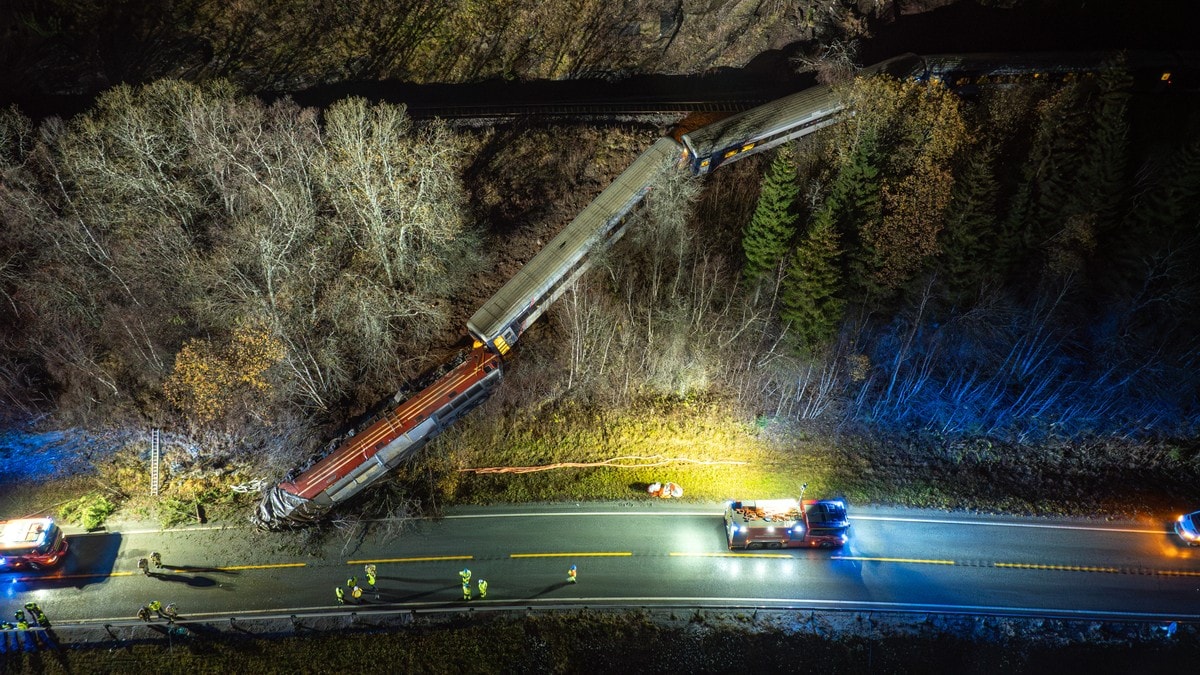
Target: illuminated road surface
<point>642,553</point>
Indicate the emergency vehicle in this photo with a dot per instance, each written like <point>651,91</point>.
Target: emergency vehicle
<point>786,523</point>
<point>36,543</point>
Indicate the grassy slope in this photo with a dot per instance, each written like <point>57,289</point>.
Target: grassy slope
<point>659,432</point>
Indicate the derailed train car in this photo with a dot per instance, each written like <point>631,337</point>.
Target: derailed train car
<point>369,455</point>
<point>775,123</point>
<point>502,319</point>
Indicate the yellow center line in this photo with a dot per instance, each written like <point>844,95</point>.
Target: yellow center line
<point>56,577</point>
<point>918,561</point>
<point>1177,573</point>
<point>571,555</point>
<point>1060,568</point>
<point>408,560</point>
<point>248,567</point>
<point>729,555</point>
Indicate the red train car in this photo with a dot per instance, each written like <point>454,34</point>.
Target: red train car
<point>370,454</point>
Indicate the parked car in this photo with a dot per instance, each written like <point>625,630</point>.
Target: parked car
<point>1188,528</point>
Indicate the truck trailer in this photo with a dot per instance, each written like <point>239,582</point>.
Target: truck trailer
<point>786,523</point>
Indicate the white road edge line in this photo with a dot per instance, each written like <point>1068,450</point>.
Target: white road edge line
<point>898,519</point>
<point>1044,526</point>
<point>559,514</point>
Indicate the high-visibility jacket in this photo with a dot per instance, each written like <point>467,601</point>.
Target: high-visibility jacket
<point>341,594</point>
<point>356,592</point>
<point>466,576</point>
<point>155,605</point>
<point>370,578</point>
<point>482,588</point>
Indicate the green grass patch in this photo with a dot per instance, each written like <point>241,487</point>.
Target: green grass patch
<point>89,511</point>
<point>713,454</point>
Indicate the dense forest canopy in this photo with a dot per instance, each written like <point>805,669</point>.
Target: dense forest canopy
<point>187,241</point>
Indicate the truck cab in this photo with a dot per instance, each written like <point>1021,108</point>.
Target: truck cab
<point>35,543</point>
<point>786,523</point>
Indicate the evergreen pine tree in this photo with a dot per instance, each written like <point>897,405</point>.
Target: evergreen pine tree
<point>857,209</point>
<point>1058,150</point>
<point>968,239</point>
<point>1102,175</point>
<point>767,237</point>
<point>811,305</point>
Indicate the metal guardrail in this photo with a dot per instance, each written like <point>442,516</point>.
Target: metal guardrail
<point>269,622</point>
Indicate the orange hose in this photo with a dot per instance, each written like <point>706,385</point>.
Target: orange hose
<point>658,460</point>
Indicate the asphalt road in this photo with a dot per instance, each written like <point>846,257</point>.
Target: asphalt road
<point>641,554</point>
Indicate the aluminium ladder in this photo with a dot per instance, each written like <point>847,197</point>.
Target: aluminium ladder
<point>155,460</point>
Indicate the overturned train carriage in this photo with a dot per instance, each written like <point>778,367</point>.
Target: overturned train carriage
<point>370,454</point>
<point>503,318</point>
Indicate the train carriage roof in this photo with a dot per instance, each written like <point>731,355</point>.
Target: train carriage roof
<point>763,121</point>
<point>529,287</point>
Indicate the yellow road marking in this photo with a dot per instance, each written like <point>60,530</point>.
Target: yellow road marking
<point>1060,568</point>
<point>405,560</point>
<point>919,561</point>
<point>56,577</point>
<point>729,555</point>
<point>571,555</point>
<point>1177,573</point>
<point>248,567</point>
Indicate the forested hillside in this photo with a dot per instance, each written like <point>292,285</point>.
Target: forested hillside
<point>943,274</point>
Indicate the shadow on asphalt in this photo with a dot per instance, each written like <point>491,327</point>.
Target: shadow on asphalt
<point>193,581</point>
<point>416,596</point>
<point>192,568</point>
<point>550,588</point>
<point>411,580</point>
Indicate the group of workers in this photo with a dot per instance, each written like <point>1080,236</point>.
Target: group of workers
<point>465,575</point>
<point>355,591</point>
<point>154,562</point>
<point>24,619</point>
<point>156,608</point>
